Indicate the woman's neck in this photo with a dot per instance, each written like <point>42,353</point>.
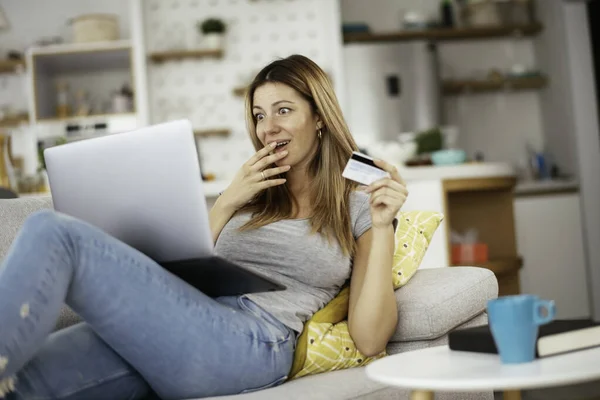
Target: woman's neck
<point>298,183</point>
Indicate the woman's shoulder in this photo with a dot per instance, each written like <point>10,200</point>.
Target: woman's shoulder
<point>359,200</point>
<point>358,196</point>
<point>360,213</point>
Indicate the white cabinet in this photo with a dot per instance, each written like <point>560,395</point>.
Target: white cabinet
<point>550,240</point>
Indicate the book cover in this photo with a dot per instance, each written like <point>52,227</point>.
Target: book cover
<point>480,340</point>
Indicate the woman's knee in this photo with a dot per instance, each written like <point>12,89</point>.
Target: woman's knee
<point>43,220</point>
<point>47,224</point>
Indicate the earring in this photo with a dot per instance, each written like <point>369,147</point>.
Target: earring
<point>320,134</point>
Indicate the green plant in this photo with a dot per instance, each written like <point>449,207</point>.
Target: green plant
<point>212,25</point>
<point>41,160</point>
<point>429,141</point>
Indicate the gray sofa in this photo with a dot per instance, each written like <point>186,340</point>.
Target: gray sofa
<point>434,302</point>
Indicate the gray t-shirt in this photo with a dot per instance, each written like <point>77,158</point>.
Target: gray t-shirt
<point>312,268</point>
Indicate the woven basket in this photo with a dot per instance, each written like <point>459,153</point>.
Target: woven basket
<point>95,28</point>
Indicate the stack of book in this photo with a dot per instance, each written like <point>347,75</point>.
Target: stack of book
<point>557,337</point>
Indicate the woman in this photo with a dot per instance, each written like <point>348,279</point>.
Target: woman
<point>288,214</point>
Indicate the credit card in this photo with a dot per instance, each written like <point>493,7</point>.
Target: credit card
<point>362,169</point>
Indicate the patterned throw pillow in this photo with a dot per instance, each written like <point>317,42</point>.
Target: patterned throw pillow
<point>414,233</point>
<point>325,343</point>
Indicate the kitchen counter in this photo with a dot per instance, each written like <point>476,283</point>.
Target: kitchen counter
<point>463,171</point>
<point>531,188</point>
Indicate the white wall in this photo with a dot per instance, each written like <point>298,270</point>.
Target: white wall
<point>499,125</point>
<point>370,112</point>
<point>201,90</point>
<point>33,19</point>
<point>550,49</point>
<point>586,136</point>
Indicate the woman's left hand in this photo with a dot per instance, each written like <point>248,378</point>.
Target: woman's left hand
<point>387,196</point>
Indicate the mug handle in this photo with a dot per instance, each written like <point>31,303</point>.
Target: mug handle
<point>550,311</point>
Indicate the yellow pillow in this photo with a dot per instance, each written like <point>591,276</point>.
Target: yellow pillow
<point>413,235</point>
<point>325,343</point>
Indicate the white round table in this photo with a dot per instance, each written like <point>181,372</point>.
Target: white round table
<point>439,368</point>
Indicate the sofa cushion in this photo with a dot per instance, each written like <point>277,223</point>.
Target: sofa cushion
<point>344,384</point>
<point>402,347</point>
<point>412,238</point>
<point>435,301</point>
<point>349,384</point>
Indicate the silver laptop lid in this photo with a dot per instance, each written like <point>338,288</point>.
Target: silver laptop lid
<point>143,187</point>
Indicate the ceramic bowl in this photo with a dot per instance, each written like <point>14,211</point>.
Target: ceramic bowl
<point>448,157</point>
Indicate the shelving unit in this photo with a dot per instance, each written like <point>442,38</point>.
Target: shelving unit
<point>11,66</point>
<point>239,91</point>
<point>455,87</point>
<point>14,121</point>
<point>98,68</point>
<point>486,204</point>
<point>175,55</point>
<point>471,33</point>
<point>80,48</point>
<point>436,37</point>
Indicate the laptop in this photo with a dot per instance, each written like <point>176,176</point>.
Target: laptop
<point>144,187</point>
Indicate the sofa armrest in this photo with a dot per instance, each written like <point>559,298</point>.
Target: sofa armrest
<point>435,301</point>
<point>13,214</point>
<point>66,318</point>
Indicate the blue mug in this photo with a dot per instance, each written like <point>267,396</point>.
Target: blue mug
<point>514,322</point>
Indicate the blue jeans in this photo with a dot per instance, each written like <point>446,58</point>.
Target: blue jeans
<point>146,332</point>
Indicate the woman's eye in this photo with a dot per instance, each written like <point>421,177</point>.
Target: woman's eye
<point>284,110</point>
<point>259,117</point>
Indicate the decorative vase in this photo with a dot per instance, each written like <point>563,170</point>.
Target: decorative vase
<point>213,41</point>
<point>7,168</point>
<point>43,182</point>
<point>4,178</point>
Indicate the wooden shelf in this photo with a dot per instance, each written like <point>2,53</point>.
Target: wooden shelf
<point>160,57</point>
<point>240,91</point>
<point>483,32</point>
<point>15,121</point>
<point>212,132</point>
<point>453,87</point>
<point>79,118</point>
<point>11,66</point>
<point>75,48</point>
<point>479,184</point>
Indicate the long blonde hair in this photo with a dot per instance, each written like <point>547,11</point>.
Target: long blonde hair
<point>329,191</point>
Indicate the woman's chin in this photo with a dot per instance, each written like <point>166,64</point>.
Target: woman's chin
<point>282,162</point>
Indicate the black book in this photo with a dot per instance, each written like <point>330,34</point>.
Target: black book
<point>556,337</point>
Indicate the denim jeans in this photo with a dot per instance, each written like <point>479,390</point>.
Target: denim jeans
<point>146,332</point>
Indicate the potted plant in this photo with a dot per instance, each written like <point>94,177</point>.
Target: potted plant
<point>213,30</point>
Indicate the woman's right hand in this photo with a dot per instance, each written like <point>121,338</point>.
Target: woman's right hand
<point>253,177</point>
